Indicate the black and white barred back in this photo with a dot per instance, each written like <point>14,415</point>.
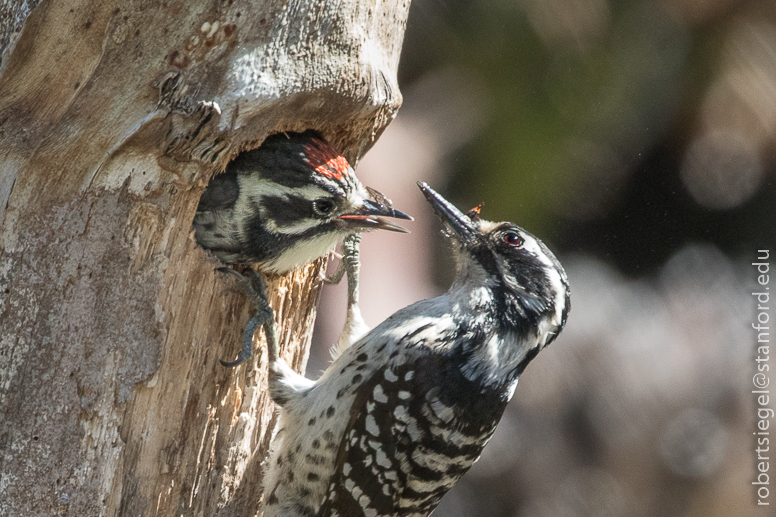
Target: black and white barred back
<point>402,414</point>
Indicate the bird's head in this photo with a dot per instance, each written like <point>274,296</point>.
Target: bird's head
<point>530,287</point>
<point>307,187</point>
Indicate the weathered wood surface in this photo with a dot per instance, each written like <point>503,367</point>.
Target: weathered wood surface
<point>113,116</point>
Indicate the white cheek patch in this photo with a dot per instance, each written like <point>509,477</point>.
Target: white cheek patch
<point>303,252</point>
<point>293,229</point>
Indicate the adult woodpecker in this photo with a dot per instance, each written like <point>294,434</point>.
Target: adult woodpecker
<point>396,420</point>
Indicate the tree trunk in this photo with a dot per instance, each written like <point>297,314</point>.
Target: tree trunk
<point>113,117</point>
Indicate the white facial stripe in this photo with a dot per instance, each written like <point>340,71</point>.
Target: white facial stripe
<point>560,294</point>
<point>261,187</point>
<point>533,246</point>
<point>552,274</point>
<point>354,200</point>
<point>292,229</point>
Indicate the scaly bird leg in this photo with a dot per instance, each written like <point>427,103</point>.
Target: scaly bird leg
<point>354,327</point>
<point>252,284</point>
<point>284,383</point>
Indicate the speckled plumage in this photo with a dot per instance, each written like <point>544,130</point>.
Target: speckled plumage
<point>402,414</point>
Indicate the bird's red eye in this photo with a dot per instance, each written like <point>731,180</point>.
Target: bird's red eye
<point>513,239</point>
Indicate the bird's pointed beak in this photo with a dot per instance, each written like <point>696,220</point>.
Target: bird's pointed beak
<point>370,216</point>
<point>463,228</point>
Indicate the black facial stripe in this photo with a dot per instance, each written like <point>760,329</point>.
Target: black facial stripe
<point>527,359</point>
<point>516,312</point>
<point>285,210</point>
<point>258,243</point>
<point>528,295</point>
<point>484,255</point>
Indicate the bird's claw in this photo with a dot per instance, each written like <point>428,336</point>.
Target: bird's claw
<point>336,277</point>
<point>349,260</point>
<point>252,284</point>
<point>247,340</point>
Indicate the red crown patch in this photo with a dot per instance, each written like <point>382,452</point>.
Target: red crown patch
<point>326,160</point>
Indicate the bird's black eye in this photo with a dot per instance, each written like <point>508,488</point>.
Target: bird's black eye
<point>513,239</point>
<point>323,206</point>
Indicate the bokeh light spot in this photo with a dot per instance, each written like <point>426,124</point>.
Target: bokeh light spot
<point>721,170</point>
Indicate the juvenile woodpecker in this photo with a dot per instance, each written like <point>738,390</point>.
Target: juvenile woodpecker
<point>281,206</point>
<point>404,412</point>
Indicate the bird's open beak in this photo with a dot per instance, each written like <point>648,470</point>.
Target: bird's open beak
<point>370,216</point>
<point>463,228</point>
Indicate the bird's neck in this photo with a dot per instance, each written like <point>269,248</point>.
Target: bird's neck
<point>496,341</point>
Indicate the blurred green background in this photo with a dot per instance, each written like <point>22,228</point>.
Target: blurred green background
<point>622,128</point>
<point>636,138</point>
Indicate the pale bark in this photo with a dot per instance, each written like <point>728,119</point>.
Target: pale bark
<point>113,116</point>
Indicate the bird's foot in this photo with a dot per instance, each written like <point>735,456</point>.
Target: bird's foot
<point>252,285</point>
<point>354,327</point>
